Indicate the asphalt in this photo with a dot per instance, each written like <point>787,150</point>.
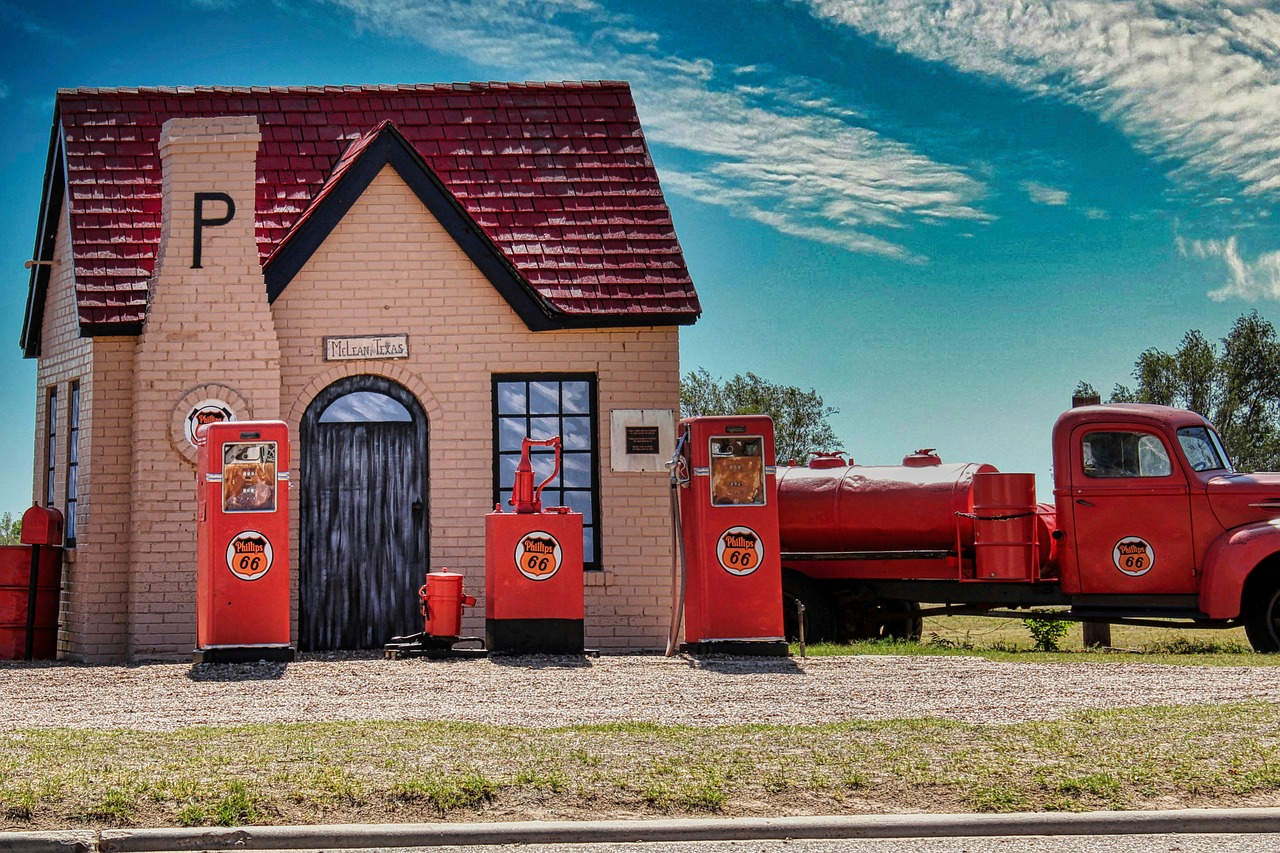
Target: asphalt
<point>353,836</point>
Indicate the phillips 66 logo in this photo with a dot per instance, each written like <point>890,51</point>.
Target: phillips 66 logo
<point>538,555</point>
<point>1133,556</point>
<point>739,551</point>
<point>249,555</point>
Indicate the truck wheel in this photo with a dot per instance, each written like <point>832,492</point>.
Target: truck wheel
<point>819,620</point>
<point>862,620</point>
<point>1262,620</point>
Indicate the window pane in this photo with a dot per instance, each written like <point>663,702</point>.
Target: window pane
<point>1201,450</point>
<point>365,407</point>
<point>589,542</point>
<point>510,433</point>
<point>577,433</point>
<point>1124,454</point>
<point>577,470</point>
<point>512,399</point>
<point>580,502</point>
<point>577,397</point>
<point>507,469</point>
<point>544,428</point>
<point>544,398</point>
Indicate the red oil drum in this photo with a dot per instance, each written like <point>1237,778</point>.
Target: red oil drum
<point>443,598</point>
<point>876,508</point>
<point>15,585</point>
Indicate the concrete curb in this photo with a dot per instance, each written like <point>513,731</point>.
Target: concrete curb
<point>348,836</point>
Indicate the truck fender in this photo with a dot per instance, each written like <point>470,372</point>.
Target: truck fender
<point>1229,561</point>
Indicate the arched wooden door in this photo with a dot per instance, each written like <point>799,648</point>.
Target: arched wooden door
<point>363,515</point>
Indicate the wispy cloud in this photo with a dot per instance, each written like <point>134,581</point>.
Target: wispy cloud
<point>1247,280</point>
<point>771,153</point>
<point>1042,194</point>
<point>1195,83</point>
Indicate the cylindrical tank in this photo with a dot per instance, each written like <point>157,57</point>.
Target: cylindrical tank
<point>444,599</point>
<point>876,508</point>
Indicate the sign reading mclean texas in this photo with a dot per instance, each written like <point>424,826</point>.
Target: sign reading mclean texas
<point>366,346</point>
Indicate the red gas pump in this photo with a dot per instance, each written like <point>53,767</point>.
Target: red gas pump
<point>242,539</point>
<point>729,524</point>
<point>533,569</point>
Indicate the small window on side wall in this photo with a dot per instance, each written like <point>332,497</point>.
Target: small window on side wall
<point>1115,454</point>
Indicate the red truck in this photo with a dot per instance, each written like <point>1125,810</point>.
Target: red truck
<point>1150,525</point>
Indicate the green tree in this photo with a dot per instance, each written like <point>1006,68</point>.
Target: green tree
<point>799,417</point>
<point>10,529</point>
<point>1236,387</point>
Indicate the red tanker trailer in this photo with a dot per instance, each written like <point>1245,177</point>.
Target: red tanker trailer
<point>1150,525</point>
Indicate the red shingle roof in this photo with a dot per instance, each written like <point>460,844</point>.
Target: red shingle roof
<point>557,175</point>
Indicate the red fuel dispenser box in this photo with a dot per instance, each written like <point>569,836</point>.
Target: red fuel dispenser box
<point>729,516</point>
<point>242,536</point>
<point>533,571</point>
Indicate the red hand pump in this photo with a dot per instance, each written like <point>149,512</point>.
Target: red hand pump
<point>524,497</point>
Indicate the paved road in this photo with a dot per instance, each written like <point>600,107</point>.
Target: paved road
<point>1244,843</point>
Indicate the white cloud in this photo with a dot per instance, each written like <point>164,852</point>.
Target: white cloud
<point>1042,194</point>
<point>1250,281</point>
<point>1195,83</point>
<point>771,153</point>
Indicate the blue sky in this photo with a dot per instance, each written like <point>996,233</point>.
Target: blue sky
<point>939,215</point>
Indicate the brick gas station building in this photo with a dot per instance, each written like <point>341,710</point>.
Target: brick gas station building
<point>413,278</point>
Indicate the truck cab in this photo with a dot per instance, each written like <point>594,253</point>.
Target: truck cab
<point>1151,513</point>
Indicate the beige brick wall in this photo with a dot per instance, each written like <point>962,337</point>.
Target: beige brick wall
<point>390,268</point>
<point>204,326</point>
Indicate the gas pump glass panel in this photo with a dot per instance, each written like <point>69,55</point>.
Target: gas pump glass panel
<point>249,476</point>
<point>1203,449</point>
<point>737,470</point>
<point>1125,454</point>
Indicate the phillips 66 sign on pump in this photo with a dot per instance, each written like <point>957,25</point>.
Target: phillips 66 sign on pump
<point>242,574</point>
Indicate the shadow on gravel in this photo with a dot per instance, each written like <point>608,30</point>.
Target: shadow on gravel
<point>541,661</point>
<point>735,665</point>
<point>262,671</point>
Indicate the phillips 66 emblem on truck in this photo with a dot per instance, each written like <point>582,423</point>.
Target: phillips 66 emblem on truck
<point>1133,556</point>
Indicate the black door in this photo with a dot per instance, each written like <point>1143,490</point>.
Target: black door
<point>363,539</point>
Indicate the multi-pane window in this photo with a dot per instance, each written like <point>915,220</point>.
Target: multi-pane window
<point>542,406</point>
<point>73,462</point>
<point>51,445</point>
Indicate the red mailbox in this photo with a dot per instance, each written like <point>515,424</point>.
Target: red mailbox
<point>729,515</point>
<point>533,570</point>
<point>242,574</point>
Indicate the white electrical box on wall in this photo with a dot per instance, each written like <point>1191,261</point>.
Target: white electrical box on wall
<point>641,439</point>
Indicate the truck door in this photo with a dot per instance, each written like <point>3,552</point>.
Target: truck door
<point>1131,510</point>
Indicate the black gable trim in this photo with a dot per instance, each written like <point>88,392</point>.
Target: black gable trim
<point>46,236</point>
<point>390,147</point>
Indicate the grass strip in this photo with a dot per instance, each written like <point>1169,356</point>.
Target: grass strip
<point>1163,757</point>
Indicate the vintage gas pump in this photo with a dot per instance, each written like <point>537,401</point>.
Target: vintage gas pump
<point>533,569</point>
<point>242,539</point>
<point>729,525</point>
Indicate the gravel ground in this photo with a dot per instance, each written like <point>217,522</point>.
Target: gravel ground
<point>557,691</point>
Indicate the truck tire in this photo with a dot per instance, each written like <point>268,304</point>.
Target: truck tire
<point>1262,619</point>
<point>819,618</point>
<point>863,619</point>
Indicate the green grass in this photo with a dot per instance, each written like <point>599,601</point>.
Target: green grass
<point>1010,640</point>
<point>391,771</point>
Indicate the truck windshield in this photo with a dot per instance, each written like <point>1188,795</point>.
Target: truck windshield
<point>1203,449</point>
